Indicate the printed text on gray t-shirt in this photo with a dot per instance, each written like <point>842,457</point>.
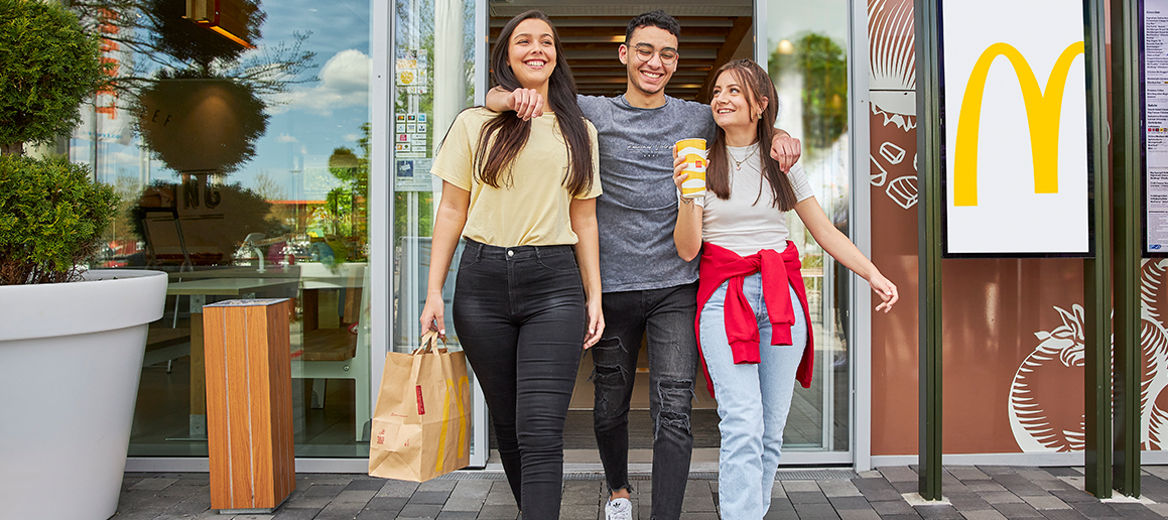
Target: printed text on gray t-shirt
<point>638,210</point>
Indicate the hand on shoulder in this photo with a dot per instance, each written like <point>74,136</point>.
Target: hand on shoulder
<point>786,150</point>
<point>527,103</point>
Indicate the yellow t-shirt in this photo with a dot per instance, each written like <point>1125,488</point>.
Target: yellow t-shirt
<point>531,210</point>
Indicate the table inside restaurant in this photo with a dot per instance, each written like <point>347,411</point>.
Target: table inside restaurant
<point>198,290</point>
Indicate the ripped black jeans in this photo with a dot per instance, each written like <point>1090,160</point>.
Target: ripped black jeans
<point>667,315</point>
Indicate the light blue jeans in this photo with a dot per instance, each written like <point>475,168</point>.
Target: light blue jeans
<point>753,401</point>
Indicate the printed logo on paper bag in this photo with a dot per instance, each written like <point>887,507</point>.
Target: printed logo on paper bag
<point>421,406</point>
<point>1043,113</point>
<point>456,391</point>
<point>381,437</point>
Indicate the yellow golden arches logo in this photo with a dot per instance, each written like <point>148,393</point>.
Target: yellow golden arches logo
<point>1043,111</point>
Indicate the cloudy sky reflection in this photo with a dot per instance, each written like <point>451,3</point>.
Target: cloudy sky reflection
<point>315,117</point>
<point>306,123</point>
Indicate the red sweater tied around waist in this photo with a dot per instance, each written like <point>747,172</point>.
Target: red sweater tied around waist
<point>718,265</point>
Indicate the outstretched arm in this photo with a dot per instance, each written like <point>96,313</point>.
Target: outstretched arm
<point>845,252</point>
<point>527,103</point>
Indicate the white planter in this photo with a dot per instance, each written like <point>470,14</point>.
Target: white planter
<point>70,359</point>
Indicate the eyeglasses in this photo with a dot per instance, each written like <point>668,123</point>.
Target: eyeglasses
<point>645,53</point>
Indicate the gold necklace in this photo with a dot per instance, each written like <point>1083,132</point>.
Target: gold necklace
<point>749,152</point>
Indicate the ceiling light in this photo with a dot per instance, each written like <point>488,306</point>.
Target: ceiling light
<point>228,18</point>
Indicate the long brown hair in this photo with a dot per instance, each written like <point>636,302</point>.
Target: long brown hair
<point>510,133</point>
<point>757,86</point>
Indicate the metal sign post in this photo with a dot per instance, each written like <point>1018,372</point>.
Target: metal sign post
<point>972,214</point>
<point>930,141</point>
<point>1097,270</point>
<point>1127,168</point>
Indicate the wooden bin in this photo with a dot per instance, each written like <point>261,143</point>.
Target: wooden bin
<point>249,404</point>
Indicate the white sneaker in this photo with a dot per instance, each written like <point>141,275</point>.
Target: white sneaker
<point>618,509</point>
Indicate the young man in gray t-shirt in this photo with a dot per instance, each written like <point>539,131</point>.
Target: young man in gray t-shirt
<point>647,286</point>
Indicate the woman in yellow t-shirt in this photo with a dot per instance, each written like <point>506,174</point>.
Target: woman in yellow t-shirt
<point>523,196</point>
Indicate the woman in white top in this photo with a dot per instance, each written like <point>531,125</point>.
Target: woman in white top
<point>752,323</point>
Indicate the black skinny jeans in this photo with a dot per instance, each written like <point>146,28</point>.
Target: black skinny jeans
<point>521,316</point>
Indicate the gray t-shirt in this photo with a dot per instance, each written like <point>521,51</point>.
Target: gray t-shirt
<point>638,210</point>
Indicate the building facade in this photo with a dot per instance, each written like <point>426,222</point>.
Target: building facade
<point>292,160</point>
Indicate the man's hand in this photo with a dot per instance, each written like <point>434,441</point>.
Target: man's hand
<point>786,150</point>
<point>527,103</point>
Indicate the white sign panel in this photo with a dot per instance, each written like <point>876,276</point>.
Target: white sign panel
<point>1016,176</point>
<point>1156,127</point>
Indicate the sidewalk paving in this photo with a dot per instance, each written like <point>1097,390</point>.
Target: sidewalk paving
<point>972,492</point>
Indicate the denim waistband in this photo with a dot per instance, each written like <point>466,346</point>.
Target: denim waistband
<point>480,250</point>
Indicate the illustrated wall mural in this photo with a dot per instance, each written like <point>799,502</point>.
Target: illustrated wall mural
<point>892,125</point>
<point>1012,328</point>
<point>892,87</point>
<point>1042,419</point>
<point>1041,416</point>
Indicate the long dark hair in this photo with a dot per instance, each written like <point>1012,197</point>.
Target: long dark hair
<point>757,85</point>
<point>509,133</point>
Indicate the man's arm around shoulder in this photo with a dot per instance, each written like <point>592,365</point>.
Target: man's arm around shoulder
<point>785,149</point>
<point>526,103</point>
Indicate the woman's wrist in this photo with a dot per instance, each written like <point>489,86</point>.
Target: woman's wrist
<point>690,203</point>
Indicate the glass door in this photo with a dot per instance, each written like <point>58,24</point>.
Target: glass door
<point>804,46</point>
<point>438,68</point>
<point>435,58</point>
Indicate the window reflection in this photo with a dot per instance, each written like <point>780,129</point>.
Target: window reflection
<point>434,69</point>
<point>807,60</point>
<point>240,147</point>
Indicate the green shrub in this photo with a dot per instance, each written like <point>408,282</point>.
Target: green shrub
<point>48,66</point>
<point>51,219</point>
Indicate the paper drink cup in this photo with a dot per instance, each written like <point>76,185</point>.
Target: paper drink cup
<point>694,151</point>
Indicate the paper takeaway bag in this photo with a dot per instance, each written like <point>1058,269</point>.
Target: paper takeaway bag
<point>420,425</point>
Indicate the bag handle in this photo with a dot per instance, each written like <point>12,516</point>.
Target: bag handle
<point>429,342</point>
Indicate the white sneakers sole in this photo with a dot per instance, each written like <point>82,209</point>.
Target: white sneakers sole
<point>618,509</point>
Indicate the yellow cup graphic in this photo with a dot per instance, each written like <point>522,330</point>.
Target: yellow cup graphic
<point>694,151</point>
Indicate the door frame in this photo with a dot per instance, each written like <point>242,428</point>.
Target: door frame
<point>382,203</point>
<point>381,229</point>
<point>861,233</point>
<point>859,452</point>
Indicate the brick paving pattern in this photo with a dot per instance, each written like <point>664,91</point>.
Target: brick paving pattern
<point>971,492</point>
